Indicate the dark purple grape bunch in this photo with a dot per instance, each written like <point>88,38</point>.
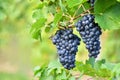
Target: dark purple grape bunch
<point>91,2</point>
<point>67,45</point>
<point>90,33</point>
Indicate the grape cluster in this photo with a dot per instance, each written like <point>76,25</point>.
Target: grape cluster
<point>67,45</point>
<point>90,33</point>
<point>91,2</point>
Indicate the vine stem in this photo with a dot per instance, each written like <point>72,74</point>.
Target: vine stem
<point>71,26</point>
<point>77,10</point>
<point>66,16</point>
<point>82,13</point>
<point>73,18</point>
<point>83,8</point>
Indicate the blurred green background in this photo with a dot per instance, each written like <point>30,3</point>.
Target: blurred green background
<point>20,53</point>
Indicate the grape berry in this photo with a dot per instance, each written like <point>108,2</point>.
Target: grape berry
<point>91,2</point>
<point>90,33</point>
<point>67,45</point>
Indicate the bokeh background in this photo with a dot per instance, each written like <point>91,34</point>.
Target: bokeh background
<point>20,53</point>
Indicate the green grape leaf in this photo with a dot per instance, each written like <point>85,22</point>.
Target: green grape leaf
<point>40,5</point>
<point>59,70</point>
<point>98,8</point>
<point>87,69</point>
<point>52,0</point>
<point>57,18</point>
<point>116,69</point>
<point>54,64</point>
<point>43,75</point>
<point>72,3</point>
<point>40,72</point>
<point>36,34</point>
<point>36,28</point>
<point>107,16</point>
<point>103,73</point>
<point>49,78</point>
<point>36,14</point>
<point>63,8</point>
<point>98,64</point>
<point>97,70</point>
<point>47,29</point>
<point>118,0</point>
<point>37,70</point>
<point>91,61</point>
<point>72,78</point>
<point>40,13</point>
<point>39,23</point>
<point>63,75</point>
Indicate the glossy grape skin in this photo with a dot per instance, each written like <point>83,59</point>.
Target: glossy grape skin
<point>67,45</point>
<point>91,2</point>
<point>90,33</point>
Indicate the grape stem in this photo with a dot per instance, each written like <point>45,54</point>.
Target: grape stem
<point>66,16</point>
<point>77,10</point>
<point>73,18</point>
<point>83,8</point>
<point>82,13</point>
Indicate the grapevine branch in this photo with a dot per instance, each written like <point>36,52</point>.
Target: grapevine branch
<point>73,18</point>
<point>76,11</point>
<point>82,13</point>
<point>83,8</point>
<point>66,16</point>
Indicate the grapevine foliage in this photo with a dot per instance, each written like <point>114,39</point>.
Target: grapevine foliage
<point>51,15</point>
<point>101,69</point>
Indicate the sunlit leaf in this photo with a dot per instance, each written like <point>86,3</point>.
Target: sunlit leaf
<point>118,0</point>
<point>91,61</point>
<point>107,16</point>
<point>54,64</point>
<point>47,29</point>
<point>57,18</point>
<point>62,6</point>
<point>36,28</point>
<point>72,3</point>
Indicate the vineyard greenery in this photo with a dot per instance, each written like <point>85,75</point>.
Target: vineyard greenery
<point>51,16</point>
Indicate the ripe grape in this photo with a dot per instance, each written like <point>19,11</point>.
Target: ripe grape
<point>90,33</point>
<point>91,2</point>
<point>67,45</point>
